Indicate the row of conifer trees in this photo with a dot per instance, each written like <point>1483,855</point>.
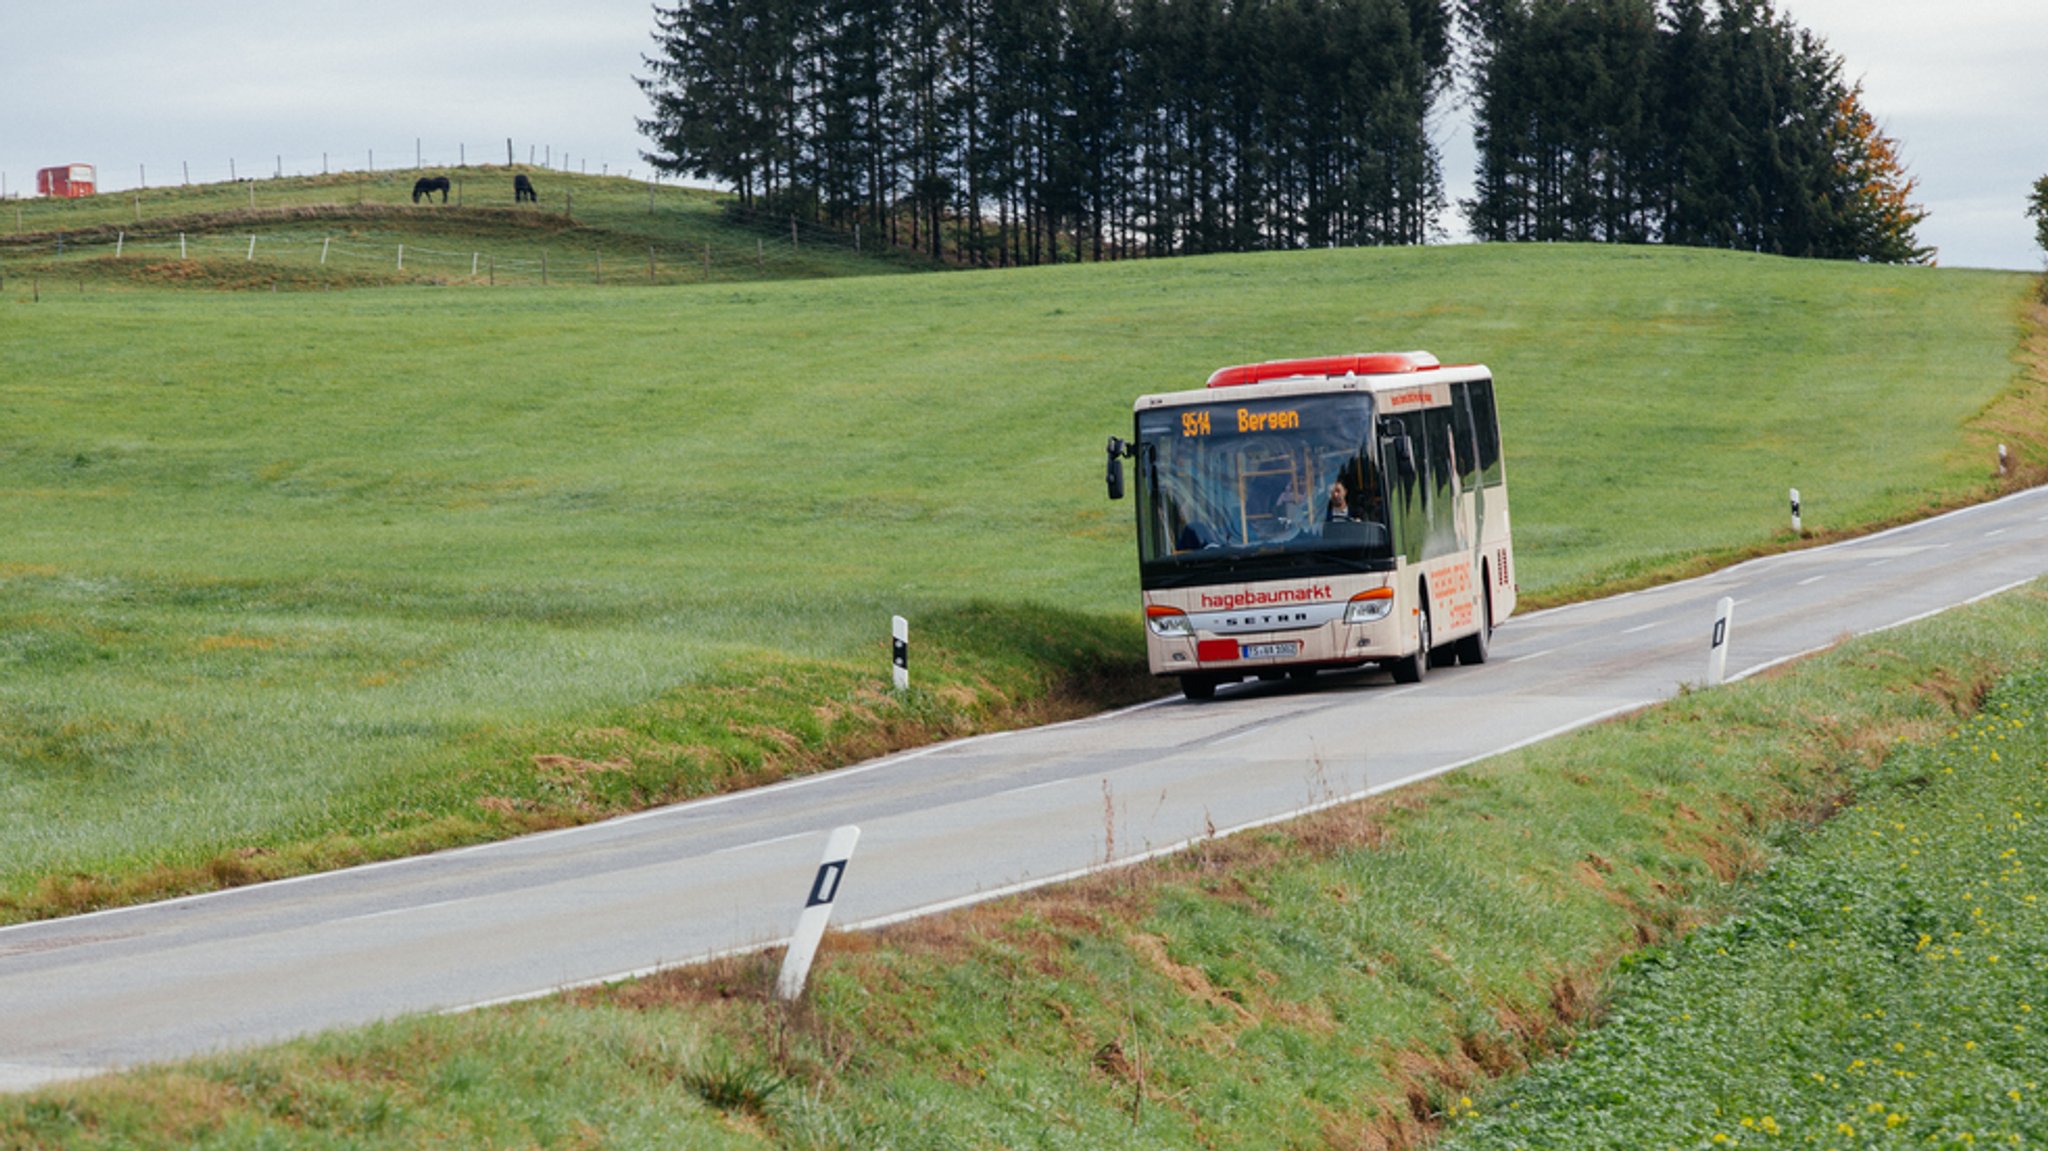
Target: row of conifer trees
<point>1023,131</point>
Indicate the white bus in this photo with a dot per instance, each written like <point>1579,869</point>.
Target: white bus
<point>1300,515</point>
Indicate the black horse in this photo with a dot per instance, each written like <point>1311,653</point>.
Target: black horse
<point>428,185</point>
<point>522,190</point>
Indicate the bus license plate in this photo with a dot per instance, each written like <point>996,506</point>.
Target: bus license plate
<point>1270,650</point>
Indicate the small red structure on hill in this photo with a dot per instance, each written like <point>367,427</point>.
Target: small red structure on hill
<point>69,181</point>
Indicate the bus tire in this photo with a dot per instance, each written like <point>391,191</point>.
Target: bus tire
<point>1198,687</point>
<point>1410,668</point>
<point>1474,648</point>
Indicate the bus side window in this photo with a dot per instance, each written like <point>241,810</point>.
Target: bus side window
<point>1486,426</point>
<point>1462,430</point>
<point>1407,512</point>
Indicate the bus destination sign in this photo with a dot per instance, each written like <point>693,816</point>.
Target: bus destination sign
<point>1199,423</point>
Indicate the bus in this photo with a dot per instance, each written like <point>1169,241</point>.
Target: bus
<point>1304,515</point>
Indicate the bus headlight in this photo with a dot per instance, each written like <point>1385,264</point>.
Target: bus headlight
<point>1168,621</point>
<point>1370,606</point>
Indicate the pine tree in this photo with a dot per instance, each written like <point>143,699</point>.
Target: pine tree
<point>1877,214</point>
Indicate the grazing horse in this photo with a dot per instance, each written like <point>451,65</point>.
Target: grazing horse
<point>522,190</point>
<point>428,185</point>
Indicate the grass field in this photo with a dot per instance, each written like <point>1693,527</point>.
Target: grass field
<point>1354,980</point>
<point>295,580</point>
<point>1884,986</point>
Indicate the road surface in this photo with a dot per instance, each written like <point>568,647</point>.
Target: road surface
<point>940,826</point>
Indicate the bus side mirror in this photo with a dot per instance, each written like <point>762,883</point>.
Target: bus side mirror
<point>1115,476</point>
<point>1403,450</point>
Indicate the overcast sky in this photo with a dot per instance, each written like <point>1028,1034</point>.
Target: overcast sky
<point>145,90</point>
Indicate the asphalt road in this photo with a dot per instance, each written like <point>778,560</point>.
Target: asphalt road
<point>940,827</point>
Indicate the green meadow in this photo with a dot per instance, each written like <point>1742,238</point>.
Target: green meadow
<point>296,579</point>
<point>1883,986</point>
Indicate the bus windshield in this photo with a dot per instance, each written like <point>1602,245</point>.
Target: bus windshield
<point>1260,488</point>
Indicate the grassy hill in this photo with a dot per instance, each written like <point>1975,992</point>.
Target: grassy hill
<point>363,229</point>
<point>296,580</point>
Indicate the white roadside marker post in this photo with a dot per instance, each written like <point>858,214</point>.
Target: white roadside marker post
<point>810,925</point>
<point>2004,461</point>
<point>1717,656</point>
<point>899,647</point>
<point>1795,511</point>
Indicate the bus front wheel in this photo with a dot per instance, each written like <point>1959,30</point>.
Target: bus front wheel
<point>1474,648</point>
<point>1411,667</point>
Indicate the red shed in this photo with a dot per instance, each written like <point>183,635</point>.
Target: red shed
<point>69,181</point>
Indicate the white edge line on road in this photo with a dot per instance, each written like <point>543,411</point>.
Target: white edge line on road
<point>816,831</point>
<point>1031,787</point>
<point>1844,545</point>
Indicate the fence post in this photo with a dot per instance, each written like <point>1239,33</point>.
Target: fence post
<point>324,241</point>
<point>252,250</point>
<point>650,264</point>
<point>181,245</point>
<point>119,240</point>
<point>543,268</point>
<point>401,257</point>
<point>508,151</point>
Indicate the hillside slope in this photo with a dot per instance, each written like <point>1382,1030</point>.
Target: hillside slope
<point>365,229</point>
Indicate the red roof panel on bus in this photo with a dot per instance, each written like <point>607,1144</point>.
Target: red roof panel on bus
<point>1361,364</point>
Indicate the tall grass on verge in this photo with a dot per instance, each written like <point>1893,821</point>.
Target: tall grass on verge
<point>1885,986</point>
<point>1353,980</point>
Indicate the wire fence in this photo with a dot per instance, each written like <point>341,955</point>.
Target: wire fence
<point>306,244</point>
<point>143,175</point>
